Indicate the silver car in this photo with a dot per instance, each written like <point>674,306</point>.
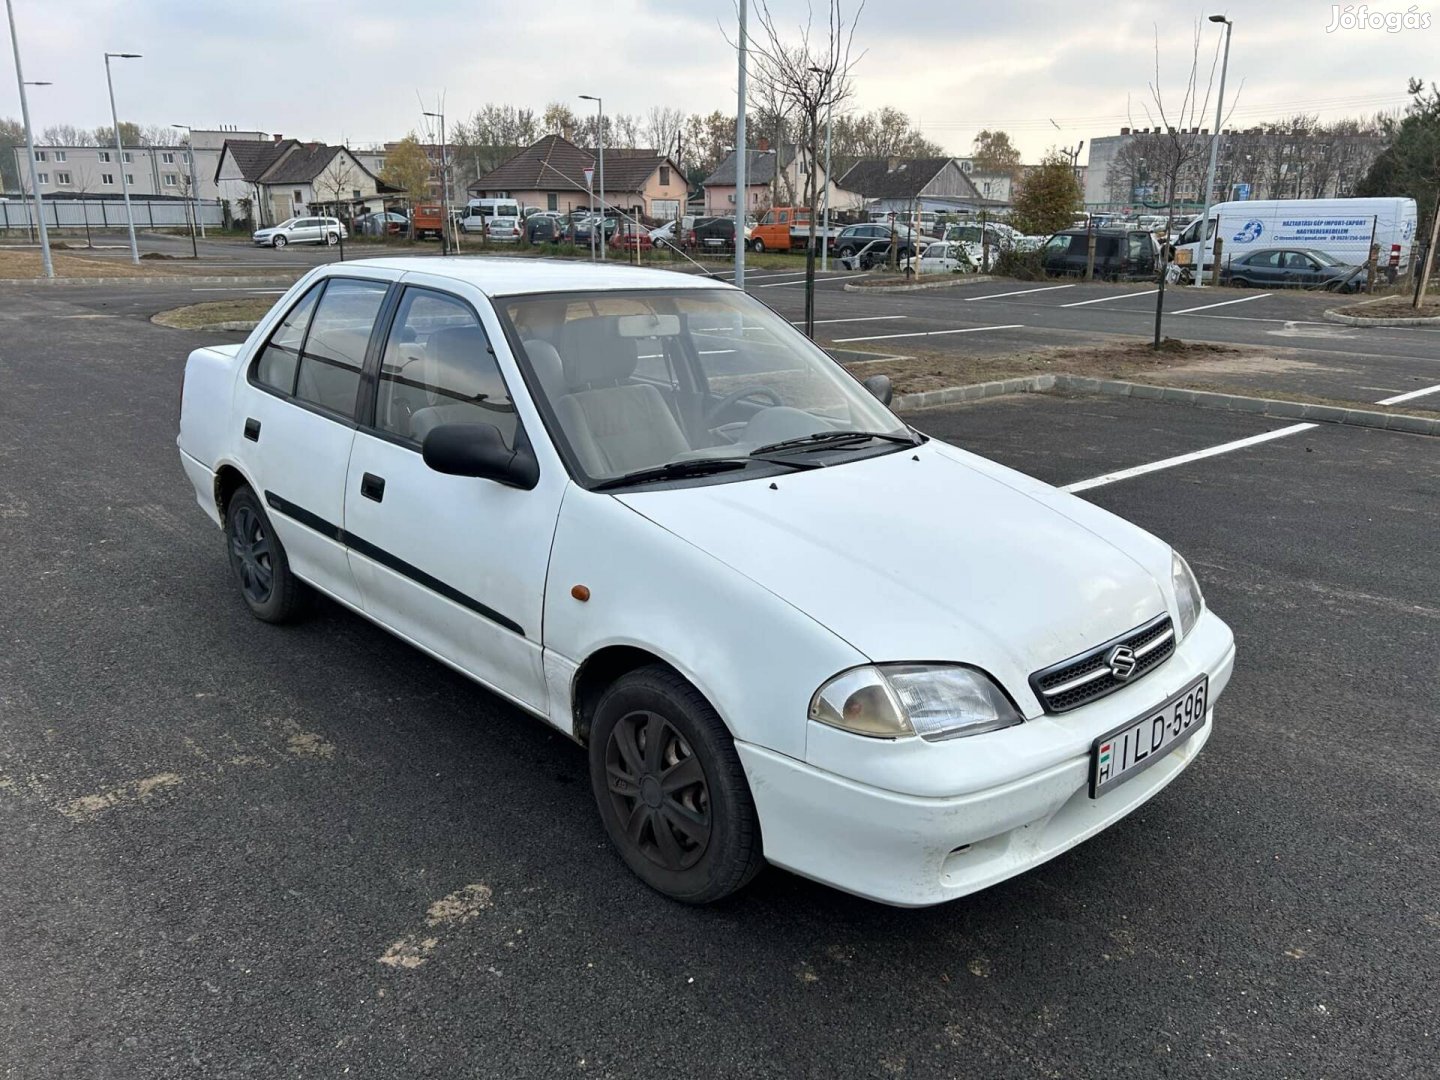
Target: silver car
<point>301,230</point>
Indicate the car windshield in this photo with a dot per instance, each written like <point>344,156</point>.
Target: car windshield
<point>287,223</point>
<point>637,381</point>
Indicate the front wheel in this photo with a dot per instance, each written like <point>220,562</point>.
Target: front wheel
<point>758,246</point>
<point>279,242</point>
<point>670,788</point>
<point>271,592</point>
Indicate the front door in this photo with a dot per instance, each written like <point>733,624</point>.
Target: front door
<point>456,564</point>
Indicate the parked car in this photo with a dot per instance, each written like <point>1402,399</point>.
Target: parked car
<point>543,229</point>
<point>664,235</point>
<point>382,224</point>
<point>503,229</point>
<point>1119,253</point>
<point>714,233</point>
<point>630,236</point>
<point>580,231</point>
<point>946,257</point>
<point>911,673</point>
<point>301,230</point>
<point>1292,267</point>
<point>854,238</point>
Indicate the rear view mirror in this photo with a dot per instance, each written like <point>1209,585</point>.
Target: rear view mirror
<point>881,387</point>
<point>479,450</point>
<point>648,325</point>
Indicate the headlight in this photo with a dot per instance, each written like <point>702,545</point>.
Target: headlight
<point>934,701</point>
<point>1187,593</point>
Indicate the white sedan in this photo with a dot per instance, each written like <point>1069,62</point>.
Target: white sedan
<point>785,625</point>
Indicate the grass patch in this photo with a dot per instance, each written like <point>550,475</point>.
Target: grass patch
<point>202,316</point>
<point>28,264</point>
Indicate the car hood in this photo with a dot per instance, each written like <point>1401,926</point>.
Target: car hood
<point>930,555</point>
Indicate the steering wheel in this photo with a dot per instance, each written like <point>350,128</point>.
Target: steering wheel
<point>718,409</point>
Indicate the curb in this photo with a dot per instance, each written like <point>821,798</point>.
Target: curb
<point>1271,407</point>
<point>175,279</point>
<point>1394,320</point>
<point>964,279</point>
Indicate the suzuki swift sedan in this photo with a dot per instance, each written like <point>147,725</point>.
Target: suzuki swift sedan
<point>786,626</point>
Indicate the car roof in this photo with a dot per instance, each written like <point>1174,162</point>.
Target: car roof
<point>510,276</point>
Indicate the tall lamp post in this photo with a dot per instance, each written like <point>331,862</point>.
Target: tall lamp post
<point>30,145</point>
<point>444,186</point>
<point>194,184</point>
<point>742,155</point>
<point>120,150</point>
<point>600,146</point>
<point>1205,241</point>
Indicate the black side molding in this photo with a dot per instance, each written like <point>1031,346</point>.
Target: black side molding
<point>391,562</point>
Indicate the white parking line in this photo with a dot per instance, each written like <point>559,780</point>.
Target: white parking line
<point>1107,299</point>
<point>1222,303</point>
<point>1170,463</point>
<point>1412,394</point>
<point>1023,292</point>
<point>818,281</point>
<point>855,318</point>
<point>928,333</point>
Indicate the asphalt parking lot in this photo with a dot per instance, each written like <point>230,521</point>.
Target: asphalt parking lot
<point>224,842</point>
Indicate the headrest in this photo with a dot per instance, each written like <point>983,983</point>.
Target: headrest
<point>596,355</point>
<point>548,367</point>
<point>457,360</point>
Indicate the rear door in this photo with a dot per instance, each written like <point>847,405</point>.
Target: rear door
<point>456,564</point>
<point>298,417</point>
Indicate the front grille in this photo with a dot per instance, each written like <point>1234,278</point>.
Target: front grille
<point>1088,677</point>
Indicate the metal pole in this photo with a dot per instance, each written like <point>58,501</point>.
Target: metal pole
<point>30,148</point>
<point>1214,154</point>
<point>825,216</point>
<point>600,145</point>
<point>740,157</point>
<point>120,150</point>
<point>444,192</point>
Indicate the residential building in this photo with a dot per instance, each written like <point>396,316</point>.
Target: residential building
<point>550,174</point>
<point>148,170</point>
<point>772,179</point>
<point>908,184</point>
<point>284,178</point>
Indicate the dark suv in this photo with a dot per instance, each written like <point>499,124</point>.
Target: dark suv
<point>855,238</point>
<point>1119,253</point>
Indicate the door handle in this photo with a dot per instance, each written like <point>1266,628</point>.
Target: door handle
<point>252,429</point>
<point>373,487</point>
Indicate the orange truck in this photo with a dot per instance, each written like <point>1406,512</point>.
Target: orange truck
<point>786,228</point>
<point>428,221</point>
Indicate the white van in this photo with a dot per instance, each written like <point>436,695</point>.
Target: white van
<point>1341,228</point>
<point>479,211</point>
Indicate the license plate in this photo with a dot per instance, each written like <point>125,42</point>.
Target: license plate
<point>1133,747</point>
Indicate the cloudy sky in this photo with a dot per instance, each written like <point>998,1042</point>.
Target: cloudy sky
<point>1049,72</point>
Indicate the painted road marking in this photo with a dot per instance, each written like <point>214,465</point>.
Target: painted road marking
<point>1170,463</point>
<point>1224,303</point>
<point>276,292</point>
<point>1107,299</point>
<point>1023,292</point>
<point>818,281</point>
<point>928,333</point>
<point>1412,394</point>
<point>855,318</point>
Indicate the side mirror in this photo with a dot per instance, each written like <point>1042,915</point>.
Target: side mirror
<point>881,387</point>
<point>479,450</point>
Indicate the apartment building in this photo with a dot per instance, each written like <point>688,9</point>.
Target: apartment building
<point>148,170</point>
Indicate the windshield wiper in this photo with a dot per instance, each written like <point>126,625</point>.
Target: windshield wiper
<point>832,438</point>
<point>676,470</point>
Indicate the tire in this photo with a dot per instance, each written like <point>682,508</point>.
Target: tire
<point>699,842</point>
<point>331,239</point>
<point>271,592</point>
<point>279,242</point>
<point>1239,283</point>
<point>758,246</point>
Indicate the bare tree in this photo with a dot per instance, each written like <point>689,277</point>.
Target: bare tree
<point>811,71</point>
<point>335,181</point>
<point>662,129</point>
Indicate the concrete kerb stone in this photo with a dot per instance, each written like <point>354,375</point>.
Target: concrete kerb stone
<point>1271,407</point>
<point>1378,320</point>
<point>959,279</point>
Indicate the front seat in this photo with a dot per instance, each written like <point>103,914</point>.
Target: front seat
<point>462,383</point>
<point>614,425</point>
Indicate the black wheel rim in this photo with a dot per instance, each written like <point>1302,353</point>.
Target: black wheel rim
<point>658,791</point>
<point>250,547</point>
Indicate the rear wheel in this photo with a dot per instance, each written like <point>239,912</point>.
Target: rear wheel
<point>332,238</point>
<point>271,592</point>
<point>1239,283</point>
<point>670,788</point>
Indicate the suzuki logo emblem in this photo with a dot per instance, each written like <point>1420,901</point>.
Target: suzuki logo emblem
<point>1121,662</point>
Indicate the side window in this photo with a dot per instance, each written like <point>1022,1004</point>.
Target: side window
<point>438,368</point>
<point>334,349</point>
<point>280,358</point>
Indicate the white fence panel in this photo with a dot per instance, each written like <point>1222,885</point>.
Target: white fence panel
<point>106,214</point>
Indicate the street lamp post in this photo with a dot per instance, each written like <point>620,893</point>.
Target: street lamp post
<point>600,146</point>
<point>742,155</point>
<point>30,146</point>
<point>194,184</point>
<point>1205,241</point>
<point>120,150</point>
<point>444,186</point>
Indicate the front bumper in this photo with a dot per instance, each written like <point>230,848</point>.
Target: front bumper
<point>913,850</point>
